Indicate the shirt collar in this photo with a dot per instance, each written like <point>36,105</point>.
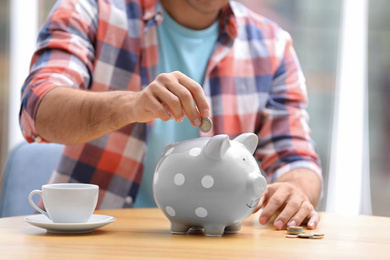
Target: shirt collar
<point>228,20</point>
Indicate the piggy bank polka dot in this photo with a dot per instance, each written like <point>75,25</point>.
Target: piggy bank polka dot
<point>207,181</point>
<point>171,212</point>
<point>201,212</point>
<point>179,179</point>
<point>195,151</point>
<point>169,151</point>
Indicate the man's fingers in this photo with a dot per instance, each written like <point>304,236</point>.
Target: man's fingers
<point>169,100</point>
<point>197,94</point>
<point>182,95</point>
<point>186,101</point>
<point>262,201</point>
<point>275,202</point>
<point>304,211</point>
<point>155,107</point>
<point>290,205</point>
<point>291,208</point>
<point>314,219</point>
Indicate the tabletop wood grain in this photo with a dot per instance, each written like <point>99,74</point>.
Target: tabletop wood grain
<point>144,234</point>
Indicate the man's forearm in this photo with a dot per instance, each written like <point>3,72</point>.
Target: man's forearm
<point>307,181</point>
<point>69,116</point>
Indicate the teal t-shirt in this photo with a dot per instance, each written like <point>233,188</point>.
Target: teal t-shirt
<point>188,51</point>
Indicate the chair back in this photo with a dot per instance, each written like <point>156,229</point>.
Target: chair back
<point>28,167</point>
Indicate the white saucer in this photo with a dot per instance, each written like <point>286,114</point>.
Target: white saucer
<point>94,222</point>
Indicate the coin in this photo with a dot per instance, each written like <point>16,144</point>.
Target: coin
<point>319,234</point>
<point>206,125</point>
<point>294,232</point>
<point>317,237</point>
<point>305,235</point>
<point>291,236</point>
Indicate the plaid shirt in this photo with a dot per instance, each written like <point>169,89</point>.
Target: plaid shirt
<point>253,83</point>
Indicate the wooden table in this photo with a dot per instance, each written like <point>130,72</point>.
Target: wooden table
<point>144,234</point>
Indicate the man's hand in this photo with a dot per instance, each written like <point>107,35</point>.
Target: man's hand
<point>292,198</point>
<point>171,96</point>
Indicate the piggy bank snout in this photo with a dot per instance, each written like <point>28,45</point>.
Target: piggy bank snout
<point>257,184</point>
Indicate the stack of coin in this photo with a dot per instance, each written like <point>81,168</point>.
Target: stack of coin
<point>297,232</point>
<point>294,230</point>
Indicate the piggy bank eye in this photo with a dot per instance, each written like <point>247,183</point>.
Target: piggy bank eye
<point>243,159</point>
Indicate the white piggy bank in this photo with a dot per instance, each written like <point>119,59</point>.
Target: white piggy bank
<point>213,183</point>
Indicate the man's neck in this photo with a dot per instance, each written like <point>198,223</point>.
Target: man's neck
<point>196,17</point>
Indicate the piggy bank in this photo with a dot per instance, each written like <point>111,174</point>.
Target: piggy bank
<point>210,182</point>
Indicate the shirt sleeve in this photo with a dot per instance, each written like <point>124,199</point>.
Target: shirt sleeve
<point>64,57</point>
<point>284,139</point>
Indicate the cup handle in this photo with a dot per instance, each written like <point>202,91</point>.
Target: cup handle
<point>35,205</point>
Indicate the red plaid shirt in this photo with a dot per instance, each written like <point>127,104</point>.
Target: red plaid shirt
<point>253,83</point>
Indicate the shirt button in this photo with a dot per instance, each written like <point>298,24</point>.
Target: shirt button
<point>148,14</point>
<point>129,200</point>
<point>38,139</point>
<point>158,17</point>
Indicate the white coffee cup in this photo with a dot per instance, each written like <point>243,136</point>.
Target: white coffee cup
<point>67,202</point>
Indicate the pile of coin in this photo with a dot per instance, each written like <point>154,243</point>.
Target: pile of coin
<point>297,232</point>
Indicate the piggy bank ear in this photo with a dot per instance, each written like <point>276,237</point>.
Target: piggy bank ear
<point>249,140</point>
<point>217,146</point>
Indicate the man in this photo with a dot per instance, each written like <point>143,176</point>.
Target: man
<point>118,80</point>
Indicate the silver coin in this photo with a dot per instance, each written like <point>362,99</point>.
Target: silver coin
<point>294,232</point>
<point>206,125</point>
<point>305,235</point>
<point>291,236</point>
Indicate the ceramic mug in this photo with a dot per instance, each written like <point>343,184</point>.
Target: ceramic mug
<point>67,202</point>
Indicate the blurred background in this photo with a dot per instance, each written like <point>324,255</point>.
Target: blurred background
<point>315,28</point>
